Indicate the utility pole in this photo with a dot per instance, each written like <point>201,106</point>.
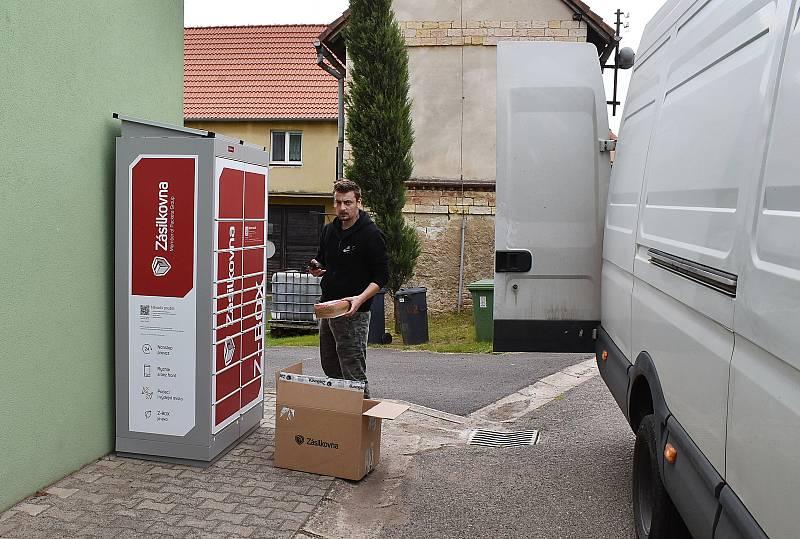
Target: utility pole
<point>617,38</point>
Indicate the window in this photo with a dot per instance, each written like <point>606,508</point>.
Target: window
<point>287,148</point>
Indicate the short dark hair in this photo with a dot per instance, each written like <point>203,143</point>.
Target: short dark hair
<point>347,186</point>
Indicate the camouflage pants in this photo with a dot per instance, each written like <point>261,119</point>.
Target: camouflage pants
<point>343,347</point>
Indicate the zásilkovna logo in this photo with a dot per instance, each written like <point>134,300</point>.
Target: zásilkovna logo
<point>300,439</point>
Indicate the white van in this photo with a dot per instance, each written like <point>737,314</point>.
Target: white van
<point>699,340</point>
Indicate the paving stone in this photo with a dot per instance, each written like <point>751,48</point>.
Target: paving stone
<point>128,503</point>
<point>131,520</point>
<point>289,525</point>
<point>8,515</point>
<point>227,517</point>
<point>8,524</point>
<point>31,509</point>
<point>198,523</point>
<point>300,498</point>
<point>260,512</point>
<point>242,531</point>
<point>226,507</point>
<point>233,489</point>
<point>149,495</point>
<point>304,507</point>
<point>160,507</point>
<point>90,497</point>
<point>167,530</point>
<point>108,463</point>
<point>184,499</point>
<point>271,492</point>
<point>59,513</point>
<point>317,491</point>
<point>216,496</point>
<point>111,480</point>
<point>171,472</point>
<point>94,530</point>
<point>263,523</point>
<point>175,489</point>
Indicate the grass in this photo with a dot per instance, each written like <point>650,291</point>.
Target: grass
<point>449,332</point>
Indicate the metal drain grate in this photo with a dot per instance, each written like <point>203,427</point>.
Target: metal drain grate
<point>493,438</point>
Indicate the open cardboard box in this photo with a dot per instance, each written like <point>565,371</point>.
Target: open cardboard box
<point>327,430</point>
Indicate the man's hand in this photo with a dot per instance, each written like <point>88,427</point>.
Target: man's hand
<point>355,303</point>
<point>315,268</point>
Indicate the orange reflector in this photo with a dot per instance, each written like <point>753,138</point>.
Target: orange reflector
<point>670,453</point>
<point>604,355</point>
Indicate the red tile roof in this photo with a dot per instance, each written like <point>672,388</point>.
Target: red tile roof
<point>255,72</point>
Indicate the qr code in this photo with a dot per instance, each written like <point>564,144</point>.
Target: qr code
<point>144,310</point>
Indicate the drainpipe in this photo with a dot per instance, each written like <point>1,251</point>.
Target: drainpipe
<point>337,70</point>
<point>460,303</point>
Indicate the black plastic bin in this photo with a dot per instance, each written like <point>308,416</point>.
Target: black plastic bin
<point>377,320</point>
<point>412,313</point>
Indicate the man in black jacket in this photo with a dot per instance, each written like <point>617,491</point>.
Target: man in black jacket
<point>354,266</point>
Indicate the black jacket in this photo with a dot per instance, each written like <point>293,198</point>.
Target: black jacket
<point>352,258</point>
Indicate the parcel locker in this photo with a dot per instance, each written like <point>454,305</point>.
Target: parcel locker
<point>190,263</point>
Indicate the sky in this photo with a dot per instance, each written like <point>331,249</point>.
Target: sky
<point>241,12</point>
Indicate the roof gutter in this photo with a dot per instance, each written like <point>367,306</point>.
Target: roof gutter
<point>596,23</point>
<point>335,68</point>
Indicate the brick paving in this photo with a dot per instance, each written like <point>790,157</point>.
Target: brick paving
<point>240,495</point>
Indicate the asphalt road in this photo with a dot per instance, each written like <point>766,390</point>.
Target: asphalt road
<point>454,383</point>
<point>574,483</point>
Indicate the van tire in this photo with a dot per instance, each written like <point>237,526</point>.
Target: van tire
<point>654,515</point>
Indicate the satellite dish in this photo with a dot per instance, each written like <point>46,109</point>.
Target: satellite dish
<point>270,249</point>
<point>626,58</point>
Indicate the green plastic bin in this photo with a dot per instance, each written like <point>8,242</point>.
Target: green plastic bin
<point>482,308</point>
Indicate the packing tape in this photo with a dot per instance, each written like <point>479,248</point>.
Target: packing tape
<point>354,385</point>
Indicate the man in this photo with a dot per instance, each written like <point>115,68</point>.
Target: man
<point>354,266</point>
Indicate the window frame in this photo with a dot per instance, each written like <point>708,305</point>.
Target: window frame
<point>287,137</point>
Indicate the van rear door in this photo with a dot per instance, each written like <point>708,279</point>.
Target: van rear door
<point>552,181</point>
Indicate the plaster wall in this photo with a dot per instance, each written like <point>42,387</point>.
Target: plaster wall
<point>66,69</point>
<point>314,176</point>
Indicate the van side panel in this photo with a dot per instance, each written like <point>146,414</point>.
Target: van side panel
<point>705,150</point>
<point>695,175</point>
<point>764,409</point>
<point>691,354</point>
<point>622,211</point>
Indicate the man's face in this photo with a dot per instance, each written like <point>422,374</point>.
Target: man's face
<point>346,207</point>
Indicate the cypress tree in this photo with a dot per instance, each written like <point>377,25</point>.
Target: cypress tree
<point>379,127</point>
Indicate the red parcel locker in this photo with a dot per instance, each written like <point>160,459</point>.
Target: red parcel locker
<point>191,214</point>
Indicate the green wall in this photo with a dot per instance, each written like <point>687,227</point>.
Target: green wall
<point>67,66</point>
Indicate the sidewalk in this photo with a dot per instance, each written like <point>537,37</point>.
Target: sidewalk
<point>241,495</point>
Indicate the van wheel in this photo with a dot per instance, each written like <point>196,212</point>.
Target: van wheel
<point>654,515</point>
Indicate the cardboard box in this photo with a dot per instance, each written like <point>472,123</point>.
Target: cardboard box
<point>325,429</point>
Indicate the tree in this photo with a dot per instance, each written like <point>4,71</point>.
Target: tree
<point>379,127</point>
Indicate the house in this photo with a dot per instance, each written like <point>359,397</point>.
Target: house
<point>261,84</point>
<point>66,70</point>
<point>452,69</point>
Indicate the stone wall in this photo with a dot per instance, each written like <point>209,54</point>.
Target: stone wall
<point>437,215</point>
<point>458,33</point>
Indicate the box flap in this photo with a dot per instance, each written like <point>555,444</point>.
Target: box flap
<point>297,368</point>
<point>291,393</point>
<point>386,410</point>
